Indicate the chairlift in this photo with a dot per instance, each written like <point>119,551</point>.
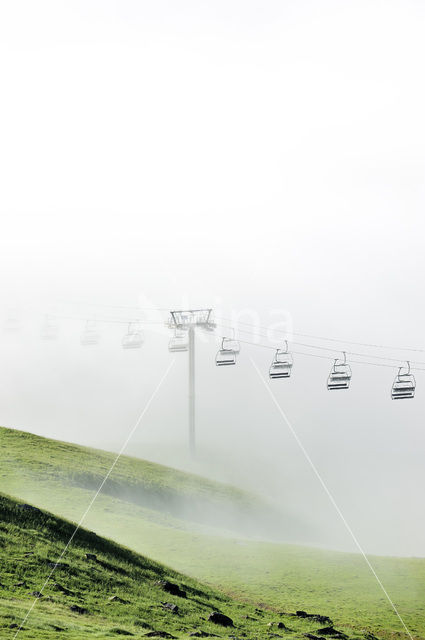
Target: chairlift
<point>281,366</point>
<point>90,335</point>
<point>225,356</point>
<point>233,344</point>
<point>133,339</point>
<point>340,375</point>
<point>404,384</point>
<point>49,329</point>
<point>179,341</point>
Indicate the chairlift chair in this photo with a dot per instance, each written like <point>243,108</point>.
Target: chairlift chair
<point>281,366</point>
<point>233,344</point>
<point>179,341</point>
<point>225,356</point>
<point>340,375</point>
<point>90,335</point>
<point>404,384</point>
<point>133,339</point>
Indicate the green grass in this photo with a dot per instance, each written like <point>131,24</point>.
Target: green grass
<point>30,540</point>
<point>284,577</point>
<point>140,482</point>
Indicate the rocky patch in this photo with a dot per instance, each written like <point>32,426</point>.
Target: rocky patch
<point>219,618</point>
<point>172,588</point>
<point>332,633</point>
<point>314,616</point>
<point>77,609</point>
<point>159,634</point>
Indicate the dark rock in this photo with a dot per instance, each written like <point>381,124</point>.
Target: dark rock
<point>323,620</point>
<point>58,565</point>
<point>28,507</point>
<point>20,584</point>
<point>220,618</point>
<point>170,607</point>
<point>202,634</point>
<point>36,594</point>
<point>13,625</point>
<point>314,616</point>
<point>159,634</point>
<point>91,556</point>
<point>77,609</point>
<point>333,633</point>
<point>172,588</point>
<point>118,599</point>
<point>122,632</point>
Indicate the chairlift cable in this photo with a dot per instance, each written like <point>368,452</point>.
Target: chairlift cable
<point>323,357</point>
<point>313,346</point>
<point>328,339</point>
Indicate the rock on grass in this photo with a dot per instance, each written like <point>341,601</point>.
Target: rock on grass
<point>77,609</point>
<point>159,634</point>
<point>172,588</point>
<point>220,618</point>
<point>331,632</point>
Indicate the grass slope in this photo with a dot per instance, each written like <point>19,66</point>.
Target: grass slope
<point>145,484</point>
<point>118,592</point>
<point>282,576</point>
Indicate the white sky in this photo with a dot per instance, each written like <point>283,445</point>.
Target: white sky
<point>261,155</point>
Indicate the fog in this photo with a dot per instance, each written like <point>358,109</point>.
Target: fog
<point>264,159</point>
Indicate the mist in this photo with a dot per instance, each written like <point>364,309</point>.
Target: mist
<point>262,159</point>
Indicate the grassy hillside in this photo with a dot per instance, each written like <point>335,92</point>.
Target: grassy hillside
<point>283,576</point>
<point>110,592</point>
<point>145,484</point>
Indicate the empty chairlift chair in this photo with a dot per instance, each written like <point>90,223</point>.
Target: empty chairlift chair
<point>281,367</point>
<point>404,384</point>
<point>133,339</point>
<point>90,335</point>
<point>179,341</point>
<point>226,355</point>
<point>340,375</point>
<point>233,344</point>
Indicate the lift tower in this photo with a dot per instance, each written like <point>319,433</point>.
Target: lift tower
<point>189,320</point>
